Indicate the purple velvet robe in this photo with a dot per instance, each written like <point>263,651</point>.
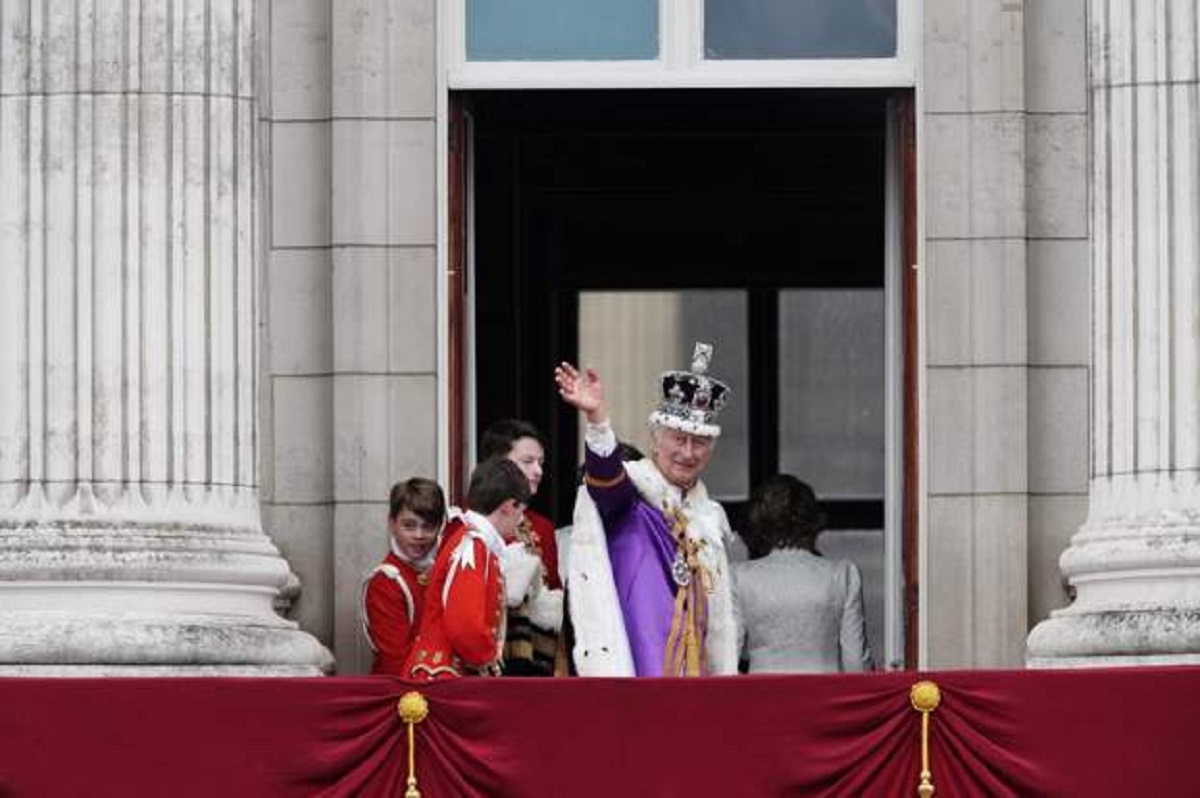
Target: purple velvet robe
<point>641,549</point>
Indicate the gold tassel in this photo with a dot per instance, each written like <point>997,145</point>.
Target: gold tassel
<point>684,654</point>
<point>674,653</point>
<point>925,697</point>
<point>412,708</point>
<point>693,647</point>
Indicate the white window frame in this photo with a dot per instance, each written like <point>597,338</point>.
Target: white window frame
<point>681,62</point>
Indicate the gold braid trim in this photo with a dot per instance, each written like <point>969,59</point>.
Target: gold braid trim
<point>596,482</point>
<point>684,654</point>
<point>435,670</point>
<point>529,536</point>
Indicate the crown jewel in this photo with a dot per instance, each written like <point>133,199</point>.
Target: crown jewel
<point>692,399</point>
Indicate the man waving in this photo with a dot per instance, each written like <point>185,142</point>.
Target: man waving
<point>649,580</point>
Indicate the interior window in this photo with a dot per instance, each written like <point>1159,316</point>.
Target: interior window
<point>633,336</point>
<point>831,390</point>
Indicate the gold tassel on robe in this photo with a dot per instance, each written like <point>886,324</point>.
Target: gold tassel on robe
<point>685,653</point>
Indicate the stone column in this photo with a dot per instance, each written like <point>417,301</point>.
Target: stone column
<point>1135,563</point>
<point>130,538</point>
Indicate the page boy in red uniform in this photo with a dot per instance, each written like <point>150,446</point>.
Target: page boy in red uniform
<point>461,631</point>
<point>393,594</point>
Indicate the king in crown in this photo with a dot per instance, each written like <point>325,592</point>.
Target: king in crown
<point>648,576</point>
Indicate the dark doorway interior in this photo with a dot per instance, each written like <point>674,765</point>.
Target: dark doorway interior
<point>760,191</point>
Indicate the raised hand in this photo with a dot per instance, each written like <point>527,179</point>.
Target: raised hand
<point>582,390</point>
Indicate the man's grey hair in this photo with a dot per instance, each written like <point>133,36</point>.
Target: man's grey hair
<point>657,429</point>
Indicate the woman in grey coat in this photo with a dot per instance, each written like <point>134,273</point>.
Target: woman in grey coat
<point>801,612</point>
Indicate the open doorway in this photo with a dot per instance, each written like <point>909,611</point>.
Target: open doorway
<point>617,227</point>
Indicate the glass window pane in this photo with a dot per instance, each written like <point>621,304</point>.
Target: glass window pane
<point>831,391</point>
<point>754,29</point>
<point>631,337</point>
<point>562,30</point>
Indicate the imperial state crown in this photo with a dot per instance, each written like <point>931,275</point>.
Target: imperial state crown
<point>692,399</point>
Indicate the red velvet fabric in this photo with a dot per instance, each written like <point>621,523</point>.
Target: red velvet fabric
<point>389,618</point>
<point>548,546</point>
<point>1013,733</point>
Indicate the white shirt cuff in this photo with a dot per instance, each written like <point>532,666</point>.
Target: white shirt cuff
<point>600,438</point>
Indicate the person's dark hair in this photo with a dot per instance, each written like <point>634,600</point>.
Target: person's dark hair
<point>495,481</point>
<point>422,497</point>
<point>498,439</point>
<point>783,514</point>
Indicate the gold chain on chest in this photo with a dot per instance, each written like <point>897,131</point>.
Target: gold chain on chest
<point>529,536</point>
<point>688,562</point>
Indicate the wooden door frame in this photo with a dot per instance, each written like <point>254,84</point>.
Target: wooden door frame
<point>904,104</point>
<point>457,379</point>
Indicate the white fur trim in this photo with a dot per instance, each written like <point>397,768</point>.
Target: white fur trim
<point>600,438</point>
<point>521,568</point>
<point>685,425</point>
<point>546,608</point>
<point>562,536</point>
<point>601,642</point>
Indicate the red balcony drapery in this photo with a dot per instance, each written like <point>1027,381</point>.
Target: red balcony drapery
<point>996,733</point>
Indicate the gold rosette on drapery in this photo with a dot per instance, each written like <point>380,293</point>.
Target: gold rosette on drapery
<point>412,708</point>
<point>925,697</point>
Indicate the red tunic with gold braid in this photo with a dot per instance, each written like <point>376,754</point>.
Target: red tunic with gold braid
<point>547,547</point>
<point>462,627</point>
<point>392,603</point>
